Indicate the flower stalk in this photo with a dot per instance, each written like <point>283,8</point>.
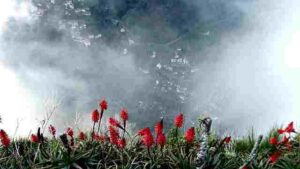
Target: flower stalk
<point>253,153</point>
<point>205,124</point>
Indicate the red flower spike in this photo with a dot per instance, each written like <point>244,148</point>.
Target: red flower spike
<point>148,140</point>
<point>274,157</point>
<point>70,132</point>
<point>273,141</point>
<point>34,138</point>
<point>122,143</point>
<point>227,139</point>
<point>280,131</point>
<point>114,135</point>
<point>124,114</point>
<point>290,128</point>
<point>114,122</point>
<point>288,146</point>
<point>144,131</point>
<point>102,138</point>
<point>159,127</point>
<point>95,116</point>
<point>3,134</point>
<point>190,135</point>
<point>52,130</point>
<point>285,140</point>
<point>103,104</point>
<point>82,136</point>
<point>161,139</point>
<point>5,141</point>
<point>98,137</point>
<point>178,121</point>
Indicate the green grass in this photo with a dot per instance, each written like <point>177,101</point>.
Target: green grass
<point>177,153</point>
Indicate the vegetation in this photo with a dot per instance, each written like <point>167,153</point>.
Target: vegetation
<point>116,148</point>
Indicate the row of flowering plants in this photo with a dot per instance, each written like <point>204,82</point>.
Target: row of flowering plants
<point>149,147</point>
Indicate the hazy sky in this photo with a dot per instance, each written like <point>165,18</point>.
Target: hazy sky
<point>254,81</point>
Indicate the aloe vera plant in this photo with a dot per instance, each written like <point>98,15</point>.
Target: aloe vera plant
<point>151,147</point>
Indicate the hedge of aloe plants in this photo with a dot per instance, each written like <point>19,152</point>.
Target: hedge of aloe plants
<point>154,147</point>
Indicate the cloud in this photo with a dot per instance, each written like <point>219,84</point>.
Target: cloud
<point>49,60</point>
<point>239,56</point>
<point>245,84</point>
